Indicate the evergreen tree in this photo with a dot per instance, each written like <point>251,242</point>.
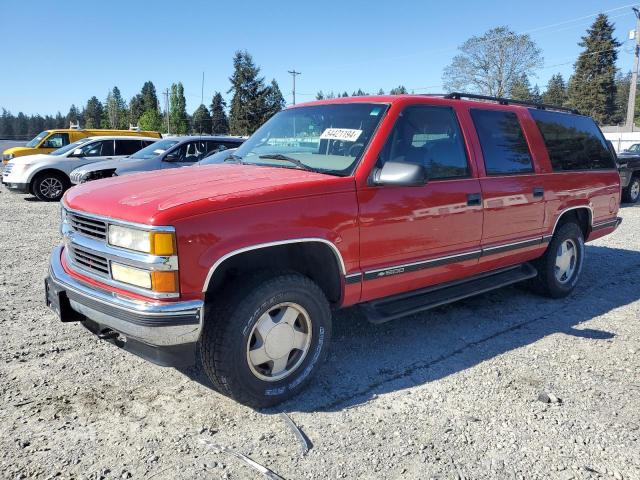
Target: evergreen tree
<point>520,89</point>
<point>136,109</point>
<point>359,93</point>
<point>73,116</point>
<point>93,113</point>
<point>21,126</point>
<point>178,118</point>
<point>6,125</point>
<point>219,120</point>
<point>330,95</point>
<point>36,125</point>
<point>320,95</point>
<point>116,110</point>
<point>60,120</point>
<point>536,96</point>
<point>248,101</point>
<point>556,92</point>
<point>151,120</point>
<point>592,85</point>
<point>273,101</point>
<point>381,92</point>
<point>344,94</point>
<point>149,97</point>
<point>201,120</point>
<point>400,90</point>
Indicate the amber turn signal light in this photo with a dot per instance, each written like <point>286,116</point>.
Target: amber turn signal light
<point>164,281</point>
<point>163,243</point>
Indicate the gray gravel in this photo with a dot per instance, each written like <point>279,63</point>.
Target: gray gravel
<point>505,385</point>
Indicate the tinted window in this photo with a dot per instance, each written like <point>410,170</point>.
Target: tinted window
<point>574,142</point>
<point>429,136</point>
<point>98,149</point>
<point>214,147</point>
<point>127,147</point>
<point>504,147</point>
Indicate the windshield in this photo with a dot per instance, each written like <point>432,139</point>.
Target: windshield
<point>635,148</point>
<point>70,147</point>
<point>35,141</point>
<point>323,138</point>
<point>155,149</point>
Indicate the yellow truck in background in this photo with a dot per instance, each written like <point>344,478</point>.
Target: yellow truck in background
<point>50,140</point>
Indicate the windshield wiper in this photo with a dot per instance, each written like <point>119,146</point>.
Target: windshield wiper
<point>284,158</point>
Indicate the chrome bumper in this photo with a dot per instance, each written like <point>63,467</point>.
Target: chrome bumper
<point>157,324</point>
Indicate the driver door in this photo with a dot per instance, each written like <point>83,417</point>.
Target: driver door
<point>416,236</point>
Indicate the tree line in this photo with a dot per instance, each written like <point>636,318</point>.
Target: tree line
<point>253,102</point>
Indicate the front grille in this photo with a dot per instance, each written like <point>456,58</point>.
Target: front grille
<point>89,261</point>
<point>87,226</point>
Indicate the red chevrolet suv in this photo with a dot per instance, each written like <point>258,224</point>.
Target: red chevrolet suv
<point>397,203</point>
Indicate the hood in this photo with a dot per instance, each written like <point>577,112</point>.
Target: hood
<point>19,151</point>
<point>163,196</point>
<point>30,159</point>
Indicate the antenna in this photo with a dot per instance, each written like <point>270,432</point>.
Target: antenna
<point>294,74</point>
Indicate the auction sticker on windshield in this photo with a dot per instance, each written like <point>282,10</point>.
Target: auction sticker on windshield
<point>344,134</point>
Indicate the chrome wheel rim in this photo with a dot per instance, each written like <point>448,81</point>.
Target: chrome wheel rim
<point>279,342</point>
<point>635,189</point>
<point>50,187</point>
<point>566,260</point>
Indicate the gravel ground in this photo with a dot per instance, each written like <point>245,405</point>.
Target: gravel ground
<point>452,393</point>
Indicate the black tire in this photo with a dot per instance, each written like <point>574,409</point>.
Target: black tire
<point>228,331</point>
<point>546,282</point>
<point>49,186</point>
<point>631,194</point>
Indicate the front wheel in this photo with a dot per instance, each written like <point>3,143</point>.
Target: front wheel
<point>264,342</point>
<point>560,267</point>
<point>49,187</point>
<point>631,194</point>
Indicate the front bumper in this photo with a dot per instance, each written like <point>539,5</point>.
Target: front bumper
<point>16,187</point>
<point>164,333</point>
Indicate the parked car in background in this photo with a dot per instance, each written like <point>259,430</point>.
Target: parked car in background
<point>47,175</point>
<point>629,168</point>
<point>399,203</point>
<point>51,140</point>
<point>164,154</point>
<point>216,158</point>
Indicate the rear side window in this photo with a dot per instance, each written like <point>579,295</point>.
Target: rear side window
<point>574,142</point>
<point>504,147</point>
<point>127,147</point>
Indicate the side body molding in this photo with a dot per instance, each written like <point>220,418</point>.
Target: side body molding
<point>222,259</point>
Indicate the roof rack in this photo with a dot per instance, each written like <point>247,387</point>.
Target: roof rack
<point>508,101</point>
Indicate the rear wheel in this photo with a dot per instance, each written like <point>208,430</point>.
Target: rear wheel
<point>560,267</point>
<point>265,341</point>
<point>631,194</point>
<point>49,186</point>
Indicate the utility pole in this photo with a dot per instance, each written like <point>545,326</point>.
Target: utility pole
<point>631,106</point>
<point>294,74</point>
<point>166,107</point>
<point>202,91</point>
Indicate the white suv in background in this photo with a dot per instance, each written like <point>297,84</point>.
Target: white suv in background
<point>47,175</point>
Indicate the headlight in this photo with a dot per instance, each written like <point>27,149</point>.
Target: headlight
<point>63,218</point>
<point>155,243</point>
<point>8,157</point>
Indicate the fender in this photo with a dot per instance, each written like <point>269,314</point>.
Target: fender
<point>547,238</point>
<point>225,257</point>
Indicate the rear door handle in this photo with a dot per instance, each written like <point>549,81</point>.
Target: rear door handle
<point>538,192</point>
<point>474,199</point>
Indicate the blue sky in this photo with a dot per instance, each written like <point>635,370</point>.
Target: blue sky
<point>53,54</point>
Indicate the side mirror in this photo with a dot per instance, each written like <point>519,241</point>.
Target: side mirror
<point>400,174</point>
<point>77,152</point>
<point>171,157</point>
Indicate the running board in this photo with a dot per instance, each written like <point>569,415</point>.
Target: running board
<point>390,308</point>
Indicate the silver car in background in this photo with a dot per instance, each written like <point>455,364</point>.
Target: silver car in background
<point>47,175</point>
<point>168,153</point>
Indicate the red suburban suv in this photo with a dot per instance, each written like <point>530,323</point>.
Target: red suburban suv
<point>397,203</point>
